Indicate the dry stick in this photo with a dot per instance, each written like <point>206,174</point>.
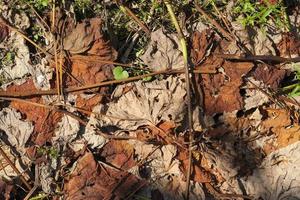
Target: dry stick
<point>14,168</point>
<point>188,91</point>
<point>82,88</point>
<point>98,60</point>
<point>215,23</point>
<point>24,36</point>
<point>259,58</point>
<point>127,11</point>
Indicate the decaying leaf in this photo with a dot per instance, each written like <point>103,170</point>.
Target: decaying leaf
<point>16,130</point>
<point>277,177</point>
<point>66,130</point>
<point>222,92</point>
<point>145,104</point>
<point>44,120</point>
<point>163,52</point>
<point>202,42</point>
<point>89,180</point>
<point>81,38</point>
<point>269,75</point>
<point>280,124</point>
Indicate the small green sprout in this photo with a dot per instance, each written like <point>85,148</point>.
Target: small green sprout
<point>119,73</point>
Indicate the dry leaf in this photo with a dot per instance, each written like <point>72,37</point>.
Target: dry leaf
<point>269,75</point>
<point>91,181</point>
<point>163,52</point>
<point>201,42</point>
<point>44,120</point>
<point>81,38</point>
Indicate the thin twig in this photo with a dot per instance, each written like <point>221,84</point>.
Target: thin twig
<point>83,88</point>
<point>265,58</point>
<point>3,154</point>
<point>23,35</point>
<point>215,23</point>
<point>127,11</point>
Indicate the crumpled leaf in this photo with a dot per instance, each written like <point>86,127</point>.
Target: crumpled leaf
<point>222,91</point>
<point>81,38</point>
<point>91,181</point>
<point>202,42</point>
<point>16,130</point>
<point>277,177</point>
<point>67,130</point>
<point>259,42</point>
<point>144,104</point>
<point>269,75</point>
<point>254,97</point>
<point>163,52</point>
<point>44,120</point>
<point>285,132</point>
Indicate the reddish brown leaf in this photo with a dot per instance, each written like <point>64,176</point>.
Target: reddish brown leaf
<point>270,75</point>
<point>91,181</point>
<point>44,120</point>
<point>289,45</point>
<point>200,44</point>
<point>119,153</point>
<point>222,92</point>
<point>3,31</point>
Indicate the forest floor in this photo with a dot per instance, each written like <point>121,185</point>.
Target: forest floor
<point>120,100</point>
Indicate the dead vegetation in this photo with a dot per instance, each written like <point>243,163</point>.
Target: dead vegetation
<point>149,99</point>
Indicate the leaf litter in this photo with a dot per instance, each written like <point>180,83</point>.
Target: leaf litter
<point>248,147</point>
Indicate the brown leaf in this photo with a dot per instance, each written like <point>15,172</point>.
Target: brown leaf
<point>119,153</point>
<point>81,38</point>
<point>88,104</point>
<point>270,75</point>
<point>222,93</point>
<point>44,120</point>
<point>280,124</point>
<point>198,174</point>
<point>200,44</point>
<point>289,45</point>
<point>3,31</point>
<point>89,180</point>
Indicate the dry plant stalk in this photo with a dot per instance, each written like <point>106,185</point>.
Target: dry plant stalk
<point>188,90</point>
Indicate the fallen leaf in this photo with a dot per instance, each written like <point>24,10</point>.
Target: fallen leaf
<point>5,190</point>
<point>44,120</point>
<point>269,75</point>
<point>81,38</point>
<point>201,42</point>
<point>89,180</point>
<point>16,130</point>
<point>289,45</point>
<point>163,52</point>
<point>119,153</point>
<point>3,31</point>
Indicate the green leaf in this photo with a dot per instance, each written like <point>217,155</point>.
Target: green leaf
<point>119,73</point>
